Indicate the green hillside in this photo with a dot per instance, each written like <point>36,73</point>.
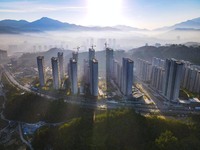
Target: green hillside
<point>119,130</point>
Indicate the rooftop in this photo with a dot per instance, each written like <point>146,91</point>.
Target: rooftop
<point>109,49</point>
<point>129,60</point>
<point>91,49</point>
<point>179,63</point>
<point>54,58</point>
<point>73,60</point>
<point>94,60</point>
<point>40,57</point>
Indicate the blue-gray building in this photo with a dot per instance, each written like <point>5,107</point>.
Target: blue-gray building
<point>61,64</point>
<point>94,77</point>
<point>157,78</point>
<point>127,76</point>
<point>55,72</point>
<point>109,64</point>
<point>91,54</point>
<point>73,75</point>
<point>75,56</point>
<point>41,70</point>
<point>86,71</point>
<point>172,79</point>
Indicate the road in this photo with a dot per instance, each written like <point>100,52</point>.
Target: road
<point>15,83</point>
<point>24,88</point>
<point>22,138</point>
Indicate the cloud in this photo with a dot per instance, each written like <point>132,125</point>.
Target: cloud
<point>24,7</point>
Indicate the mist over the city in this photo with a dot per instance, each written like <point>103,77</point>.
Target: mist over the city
<point>125,38</point>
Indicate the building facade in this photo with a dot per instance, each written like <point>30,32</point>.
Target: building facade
<point>91,54</point>
<point>157,78</point>
<point>41,70</point>
<point>109,64</point>
<point>94,77</point>
<point>73,76</point>
<point>75,56</point>
<point>127,76</point>
<point>55,72</point>
<point>61,64</point>
<point>172,79</point>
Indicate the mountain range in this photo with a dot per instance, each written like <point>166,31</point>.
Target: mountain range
<point>48,24</point>
<point>193,24</point>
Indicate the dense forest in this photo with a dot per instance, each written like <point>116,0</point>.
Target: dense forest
<point>121,129</point>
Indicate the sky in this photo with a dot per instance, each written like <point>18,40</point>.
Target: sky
<point>149,14</point>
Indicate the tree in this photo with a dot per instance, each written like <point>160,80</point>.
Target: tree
<point>167,141</point>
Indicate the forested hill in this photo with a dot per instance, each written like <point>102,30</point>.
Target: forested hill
<point>119,130</point>
<point>174,51</point>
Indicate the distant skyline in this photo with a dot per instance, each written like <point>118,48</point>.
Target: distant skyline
<point>149,14</point>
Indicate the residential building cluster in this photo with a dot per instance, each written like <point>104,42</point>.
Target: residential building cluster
<point>90,75</point>
<point>172,79</point>
<point>58,72</point>
<point>151,73</point>
<point>120,73</point>
<point>143,70</point>
<point>191,77</point>
<point>168,76</point>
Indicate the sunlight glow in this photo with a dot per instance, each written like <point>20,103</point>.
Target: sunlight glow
<point>104,12</point>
